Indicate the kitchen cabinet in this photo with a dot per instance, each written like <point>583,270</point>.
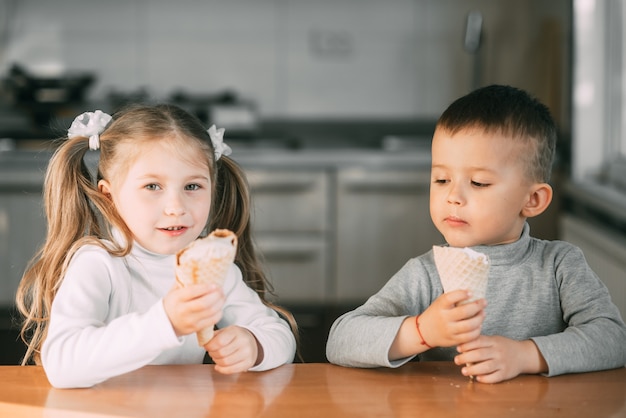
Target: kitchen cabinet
<point>22,230</point>
<point>287,200</point>
<point>332,232</point>
<point>22,221</point>
<point>382,221</point>
<point>291,225</point>
<point>335,233</point>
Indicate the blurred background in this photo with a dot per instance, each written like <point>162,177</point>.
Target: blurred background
<point>330,107</point>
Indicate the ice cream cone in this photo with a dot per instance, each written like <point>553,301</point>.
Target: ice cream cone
<point>206,260</point>
<point>462,268</point>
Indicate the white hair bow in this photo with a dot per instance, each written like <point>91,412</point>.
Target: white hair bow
<point>217,138</point>
<point>90,125</point>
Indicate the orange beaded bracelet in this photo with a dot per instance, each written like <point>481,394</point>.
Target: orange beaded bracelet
<point>417,325</point>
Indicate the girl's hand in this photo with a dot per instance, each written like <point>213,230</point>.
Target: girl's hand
<point>448,323</point>
<point>192,308</point>
<point>493,359</point>
<point>234,349</point>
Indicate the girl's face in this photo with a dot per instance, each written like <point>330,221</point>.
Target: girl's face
<point>478,188</point>
<point>164,199</point>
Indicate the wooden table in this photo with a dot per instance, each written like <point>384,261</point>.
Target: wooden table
<point>314,390</point>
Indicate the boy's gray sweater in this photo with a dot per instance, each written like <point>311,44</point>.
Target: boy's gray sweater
<point>542,290</point>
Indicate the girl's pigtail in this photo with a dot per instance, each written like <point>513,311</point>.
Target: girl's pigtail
<point>67,190</point>
<point>231,209</point>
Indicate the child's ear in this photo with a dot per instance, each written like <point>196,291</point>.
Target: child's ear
<point>538,200</point>
<point>105,188</point>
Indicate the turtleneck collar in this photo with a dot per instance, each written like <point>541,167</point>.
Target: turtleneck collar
<point>507,254</point>
<point>140,252</point>
<point>137,250</point>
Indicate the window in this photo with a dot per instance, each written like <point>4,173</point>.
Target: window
<point>597,189</point>
<point>599,97</point>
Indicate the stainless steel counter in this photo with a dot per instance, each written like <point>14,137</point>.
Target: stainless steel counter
<point>332,158</point>
<point>23,162</point>
<point>25,169</point>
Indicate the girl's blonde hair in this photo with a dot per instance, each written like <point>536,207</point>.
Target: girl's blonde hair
<point>78,213</point>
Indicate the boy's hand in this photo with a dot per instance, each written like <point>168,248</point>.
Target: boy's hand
<point>493,359</point>
<point>195,307</point>
<point>234,349</point>
<point>443,324</point>
<point>447,323</point>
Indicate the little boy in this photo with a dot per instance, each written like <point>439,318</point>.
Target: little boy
<point>548,312</point>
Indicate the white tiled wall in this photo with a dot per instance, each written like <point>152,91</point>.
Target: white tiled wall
<point>341,58</point>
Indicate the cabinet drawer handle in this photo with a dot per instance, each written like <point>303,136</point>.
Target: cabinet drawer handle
<point>283,186</point>
<point>289,255</point>
<point>385,187</point>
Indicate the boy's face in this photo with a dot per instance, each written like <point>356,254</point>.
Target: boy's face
<point>478,187</point>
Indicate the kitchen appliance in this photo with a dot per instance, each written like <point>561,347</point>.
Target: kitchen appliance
<point>224,109</point>
<point>43,100</point>
<point>26,88</point>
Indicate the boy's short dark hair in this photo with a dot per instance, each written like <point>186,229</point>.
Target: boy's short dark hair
<point>513,113</point>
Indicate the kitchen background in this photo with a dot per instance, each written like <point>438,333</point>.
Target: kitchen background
<point>329,106</point>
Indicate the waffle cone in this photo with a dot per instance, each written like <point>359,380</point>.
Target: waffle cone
<point>206,260</point>
<point>462,268</point>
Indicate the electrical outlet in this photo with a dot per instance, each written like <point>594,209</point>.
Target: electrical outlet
<point>331,43</point>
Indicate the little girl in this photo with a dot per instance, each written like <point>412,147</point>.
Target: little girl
<point>100,298</point>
